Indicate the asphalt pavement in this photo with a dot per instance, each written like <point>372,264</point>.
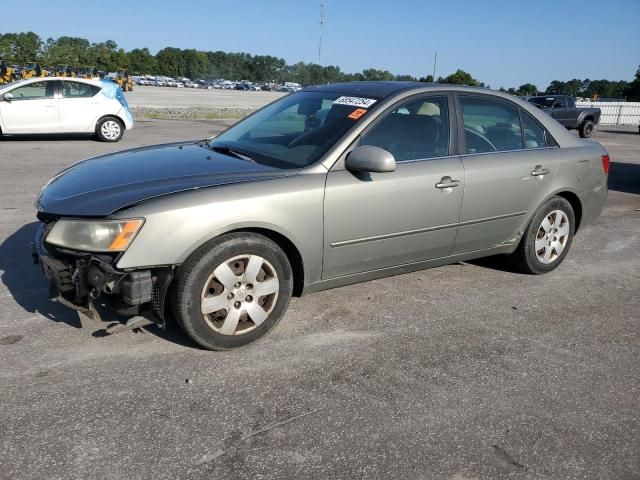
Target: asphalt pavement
<point>462,372</point>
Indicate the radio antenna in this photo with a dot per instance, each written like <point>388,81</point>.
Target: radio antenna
<point>322,4</point>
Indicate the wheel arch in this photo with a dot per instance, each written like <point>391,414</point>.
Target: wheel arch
<point>289,248</point>
<point>110,115</point>
<point>574,201</point>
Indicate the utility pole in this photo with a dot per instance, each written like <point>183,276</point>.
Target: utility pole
<point>435,61</point>
<point>322,4</point>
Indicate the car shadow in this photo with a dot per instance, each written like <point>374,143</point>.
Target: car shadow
<point>495,262</point>
<point>29,288</point>
<point>25,280</point>
<point>622,132</point>
<point>47,136</point>
<point>624,177</point>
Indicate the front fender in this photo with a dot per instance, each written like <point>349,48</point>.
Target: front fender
<point>178,224</point>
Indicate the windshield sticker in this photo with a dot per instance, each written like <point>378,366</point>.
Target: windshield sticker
<point>357,113</point>
<point>355,101</point>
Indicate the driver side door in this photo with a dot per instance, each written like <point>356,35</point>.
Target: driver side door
<point>380,220</point>
<point>33,109</point>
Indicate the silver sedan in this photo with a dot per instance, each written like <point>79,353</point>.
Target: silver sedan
<point>328,186</point>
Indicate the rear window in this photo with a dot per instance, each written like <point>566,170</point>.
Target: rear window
<point>78,90</point>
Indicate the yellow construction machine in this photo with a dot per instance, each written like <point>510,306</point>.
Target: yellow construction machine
<point>66,71</point>
<point>123,80</point>
<point>7,73</point>
<point>33,69</point>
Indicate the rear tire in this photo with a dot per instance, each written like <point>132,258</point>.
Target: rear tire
<point>109,129</point>
<point>547,239</point>
<point>232,291</point>
<point>586,129</point>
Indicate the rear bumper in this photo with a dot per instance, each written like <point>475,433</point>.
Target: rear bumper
<point>79,279</point>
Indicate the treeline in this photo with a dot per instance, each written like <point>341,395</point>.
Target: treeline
<point>597,89</point>
<point>22,48</point>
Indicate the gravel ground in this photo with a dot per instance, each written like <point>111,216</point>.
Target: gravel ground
<point>166,97</point>
<point>461,372</point>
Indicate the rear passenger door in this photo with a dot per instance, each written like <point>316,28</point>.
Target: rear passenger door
<point>79,106</point>
<point>380,220</point>
<point>509,162</point>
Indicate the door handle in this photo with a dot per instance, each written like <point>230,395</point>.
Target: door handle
<point>539,171</point>
<point>447,182</point>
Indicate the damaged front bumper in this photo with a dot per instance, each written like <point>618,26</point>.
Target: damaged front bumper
<point>83,280</point>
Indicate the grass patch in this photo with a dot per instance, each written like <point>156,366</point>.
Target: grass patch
<point>190,113</point>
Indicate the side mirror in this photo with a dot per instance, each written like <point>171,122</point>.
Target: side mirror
<point>557,105</point>
<point>367,158</point>
<point>7,96</point>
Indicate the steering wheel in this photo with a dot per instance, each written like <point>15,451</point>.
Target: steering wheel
<point>484,141</point>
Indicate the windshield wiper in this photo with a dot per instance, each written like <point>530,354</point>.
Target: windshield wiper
<point>229,151</point>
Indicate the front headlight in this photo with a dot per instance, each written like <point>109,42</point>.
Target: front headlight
<point>95,235</point>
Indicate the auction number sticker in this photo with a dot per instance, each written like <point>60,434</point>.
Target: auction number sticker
<point>355,101</point>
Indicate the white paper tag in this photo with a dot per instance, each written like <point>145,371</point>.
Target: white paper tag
<point>355,101</point>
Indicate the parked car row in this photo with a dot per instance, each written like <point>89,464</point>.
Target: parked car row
<point>218,84</point>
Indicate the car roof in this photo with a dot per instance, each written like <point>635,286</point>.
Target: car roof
<point>92,81</point>
<point>374,89</point>
<point>383,89</point>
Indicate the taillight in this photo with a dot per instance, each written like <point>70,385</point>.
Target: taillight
<point>605,164</point>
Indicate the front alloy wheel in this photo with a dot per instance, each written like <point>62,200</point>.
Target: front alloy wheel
<point>239,295</point>
<point>233,290</point>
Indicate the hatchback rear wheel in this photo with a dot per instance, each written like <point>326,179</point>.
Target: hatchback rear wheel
<point>109,129</point>
<point>233,290</point>
<point>547,239</point>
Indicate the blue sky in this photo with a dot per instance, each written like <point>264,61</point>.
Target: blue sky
<point>503,43</point>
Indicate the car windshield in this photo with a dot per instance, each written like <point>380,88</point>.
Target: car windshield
<point>297,130</point>
<point>542,101</point>
<point>12,85</point>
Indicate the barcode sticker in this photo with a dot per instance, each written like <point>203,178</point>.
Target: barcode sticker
<point>355,101</point>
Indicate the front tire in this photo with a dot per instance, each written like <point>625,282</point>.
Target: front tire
<point>547,239</point>
<point>586,129</point>
<point>233,290</point>
<point>109,129</point>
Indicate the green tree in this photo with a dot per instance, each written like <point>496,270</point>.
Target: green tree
<point>528,89</point>
<point>141,61</point>
<point>460,77</point>
<point>632,91</point>
<point>171,62</point>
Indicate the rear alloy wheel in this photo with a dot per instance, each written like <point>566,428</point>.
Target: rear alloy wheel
<point>233,290</point>
<point>547,239</point>
<point>109,130</point>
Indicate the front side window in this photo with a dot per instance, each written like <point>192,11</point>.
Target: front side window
<point>297,130</point>
<point>78,90</point>
<point>33,91</point>
<point>490,125</point>
<point>415,130</point>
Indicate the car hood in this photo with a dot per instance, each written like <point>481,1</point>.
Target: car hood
<point>103,185</point>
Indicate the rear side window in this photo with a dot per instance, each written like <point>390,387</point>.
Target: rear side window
<point>534,134</point>
<point>33,91</point>
<point>78,90</point>
<point>414,130</point>
<point>490,125</point>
